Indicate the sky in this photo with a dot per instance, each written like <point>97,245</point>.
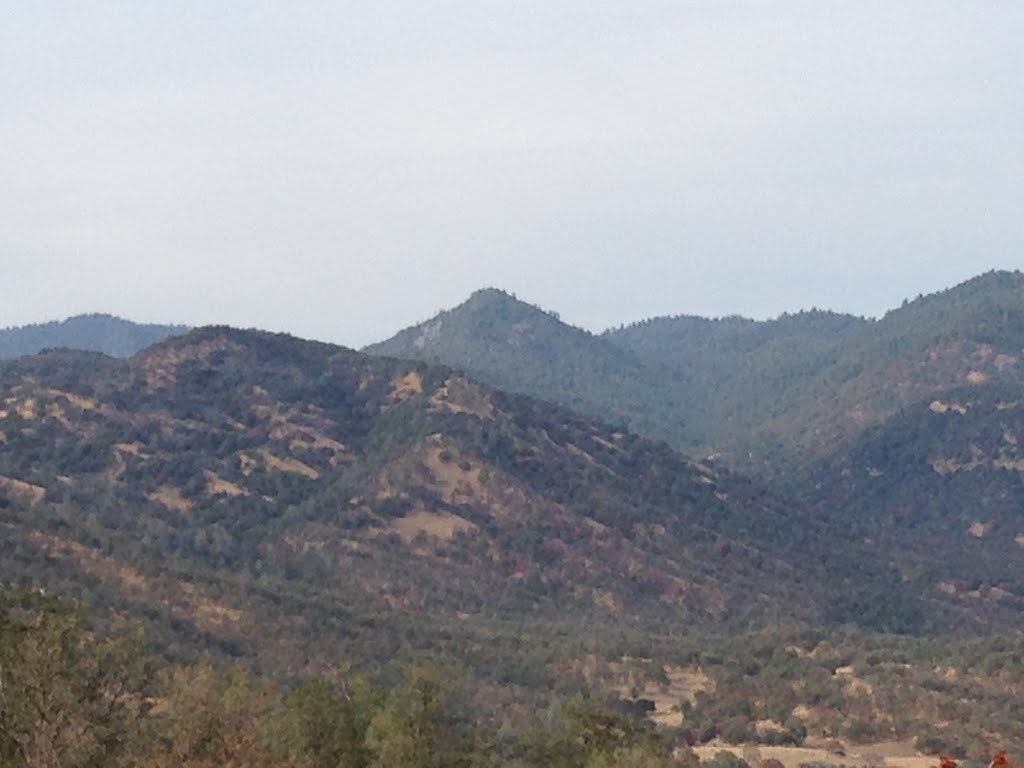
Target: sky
<point>341,170</point>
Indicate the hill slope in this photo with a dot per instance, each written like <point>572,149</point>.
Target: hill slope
<point>939,487</point>
<point>293,501</point>
<point>516,346</point>
<point>96,333</point>
<point>303,507</point>
<point>741,373</point>
<point>798,385</point>
<point>768,395</point>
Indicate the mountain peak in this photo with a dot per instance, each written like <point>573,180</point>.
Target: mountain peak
<point>503,303</point>
<point>495,336</point>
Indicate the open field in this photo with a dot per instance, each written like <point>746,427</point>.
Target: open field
<point>889,754</point>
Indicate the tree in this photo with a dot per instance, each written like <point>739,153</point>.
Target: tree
<point>326,724</point>
<point>411,729</point>
<point>66,698</point>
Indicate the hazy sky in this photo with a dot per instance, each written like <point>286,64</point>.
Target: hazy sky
<point>341,170</point>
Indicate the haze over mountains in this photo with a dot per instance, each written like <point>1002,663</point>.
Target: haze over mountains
<point>96,333</point>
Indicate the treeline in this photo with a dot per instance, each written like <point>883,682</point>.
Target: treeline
<point>70,698</point>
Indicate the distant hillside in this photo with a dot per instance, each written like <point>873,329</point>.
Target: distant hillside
<point>296,503</point>
<point>939,487</point>
<point>741,373</point>
<point>764,394</point>
<point>969,335</point>
<point>96,333</point>
<point>516,346</point>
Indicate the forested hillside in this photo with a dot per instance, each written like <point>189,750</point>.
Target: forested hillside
<point>741,373</point>
<point>791,389</point>
<point>518,347</point>
<point>767,396</point>
<point>940,485</point>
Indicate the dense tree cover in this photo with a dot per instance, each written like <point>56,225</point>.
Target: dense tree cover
<point>521,348</point>
<point>833,411</point>
<point>939,486</point>
<point>280,505</point>
<point>765,394</point>
<point>68,698</point>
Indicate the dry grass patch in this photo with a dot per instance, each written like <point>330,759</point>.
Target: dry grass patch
<point>460,395</point>
<point>160,365</point>
<point>302,436</point>
<point>79,401</point>
<point>135,449</point>
<point>217,485</point>
<point>938,406</point>
<point>13,486</point>
<point>171,498</point>
<point>92,561</point>
<point>889,754</point>
<point>631,679</point>
<point>684,683</point>
<point>184,600</point>
<point>456,478</point>
<point>979,530</point>
<point>294,466</point>
<point>404,387</point>
<point>440,525</point>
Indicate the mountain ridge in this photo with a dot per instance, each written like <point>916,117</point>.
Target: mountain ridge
<point>490,333</point>
<point>226,480</point>
<point>96,332</point>
<point>798,383</point>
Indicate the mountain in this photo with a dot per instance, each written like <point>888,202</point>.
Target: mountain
<point>515,346</point>
<point>767,396</point>
<point>800,384</point>
<point>292,503</point>
<point>97,333</point>
<point>898,432</point>
<point>741,373</point>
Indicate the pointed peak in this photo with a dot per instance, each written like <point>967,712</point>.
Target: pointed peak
<point>501,304</point>
<point>489,297</point>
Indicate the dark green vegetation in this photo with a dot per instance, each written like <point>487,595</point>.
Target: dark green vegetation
<point>834,412</point>
<point>764,394</point>
<point>796,386</point>
<point>519,347</point>
<point>69,699</point>
<point>96,333</point>
<point>72,698</point>
<point>940,488</point>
